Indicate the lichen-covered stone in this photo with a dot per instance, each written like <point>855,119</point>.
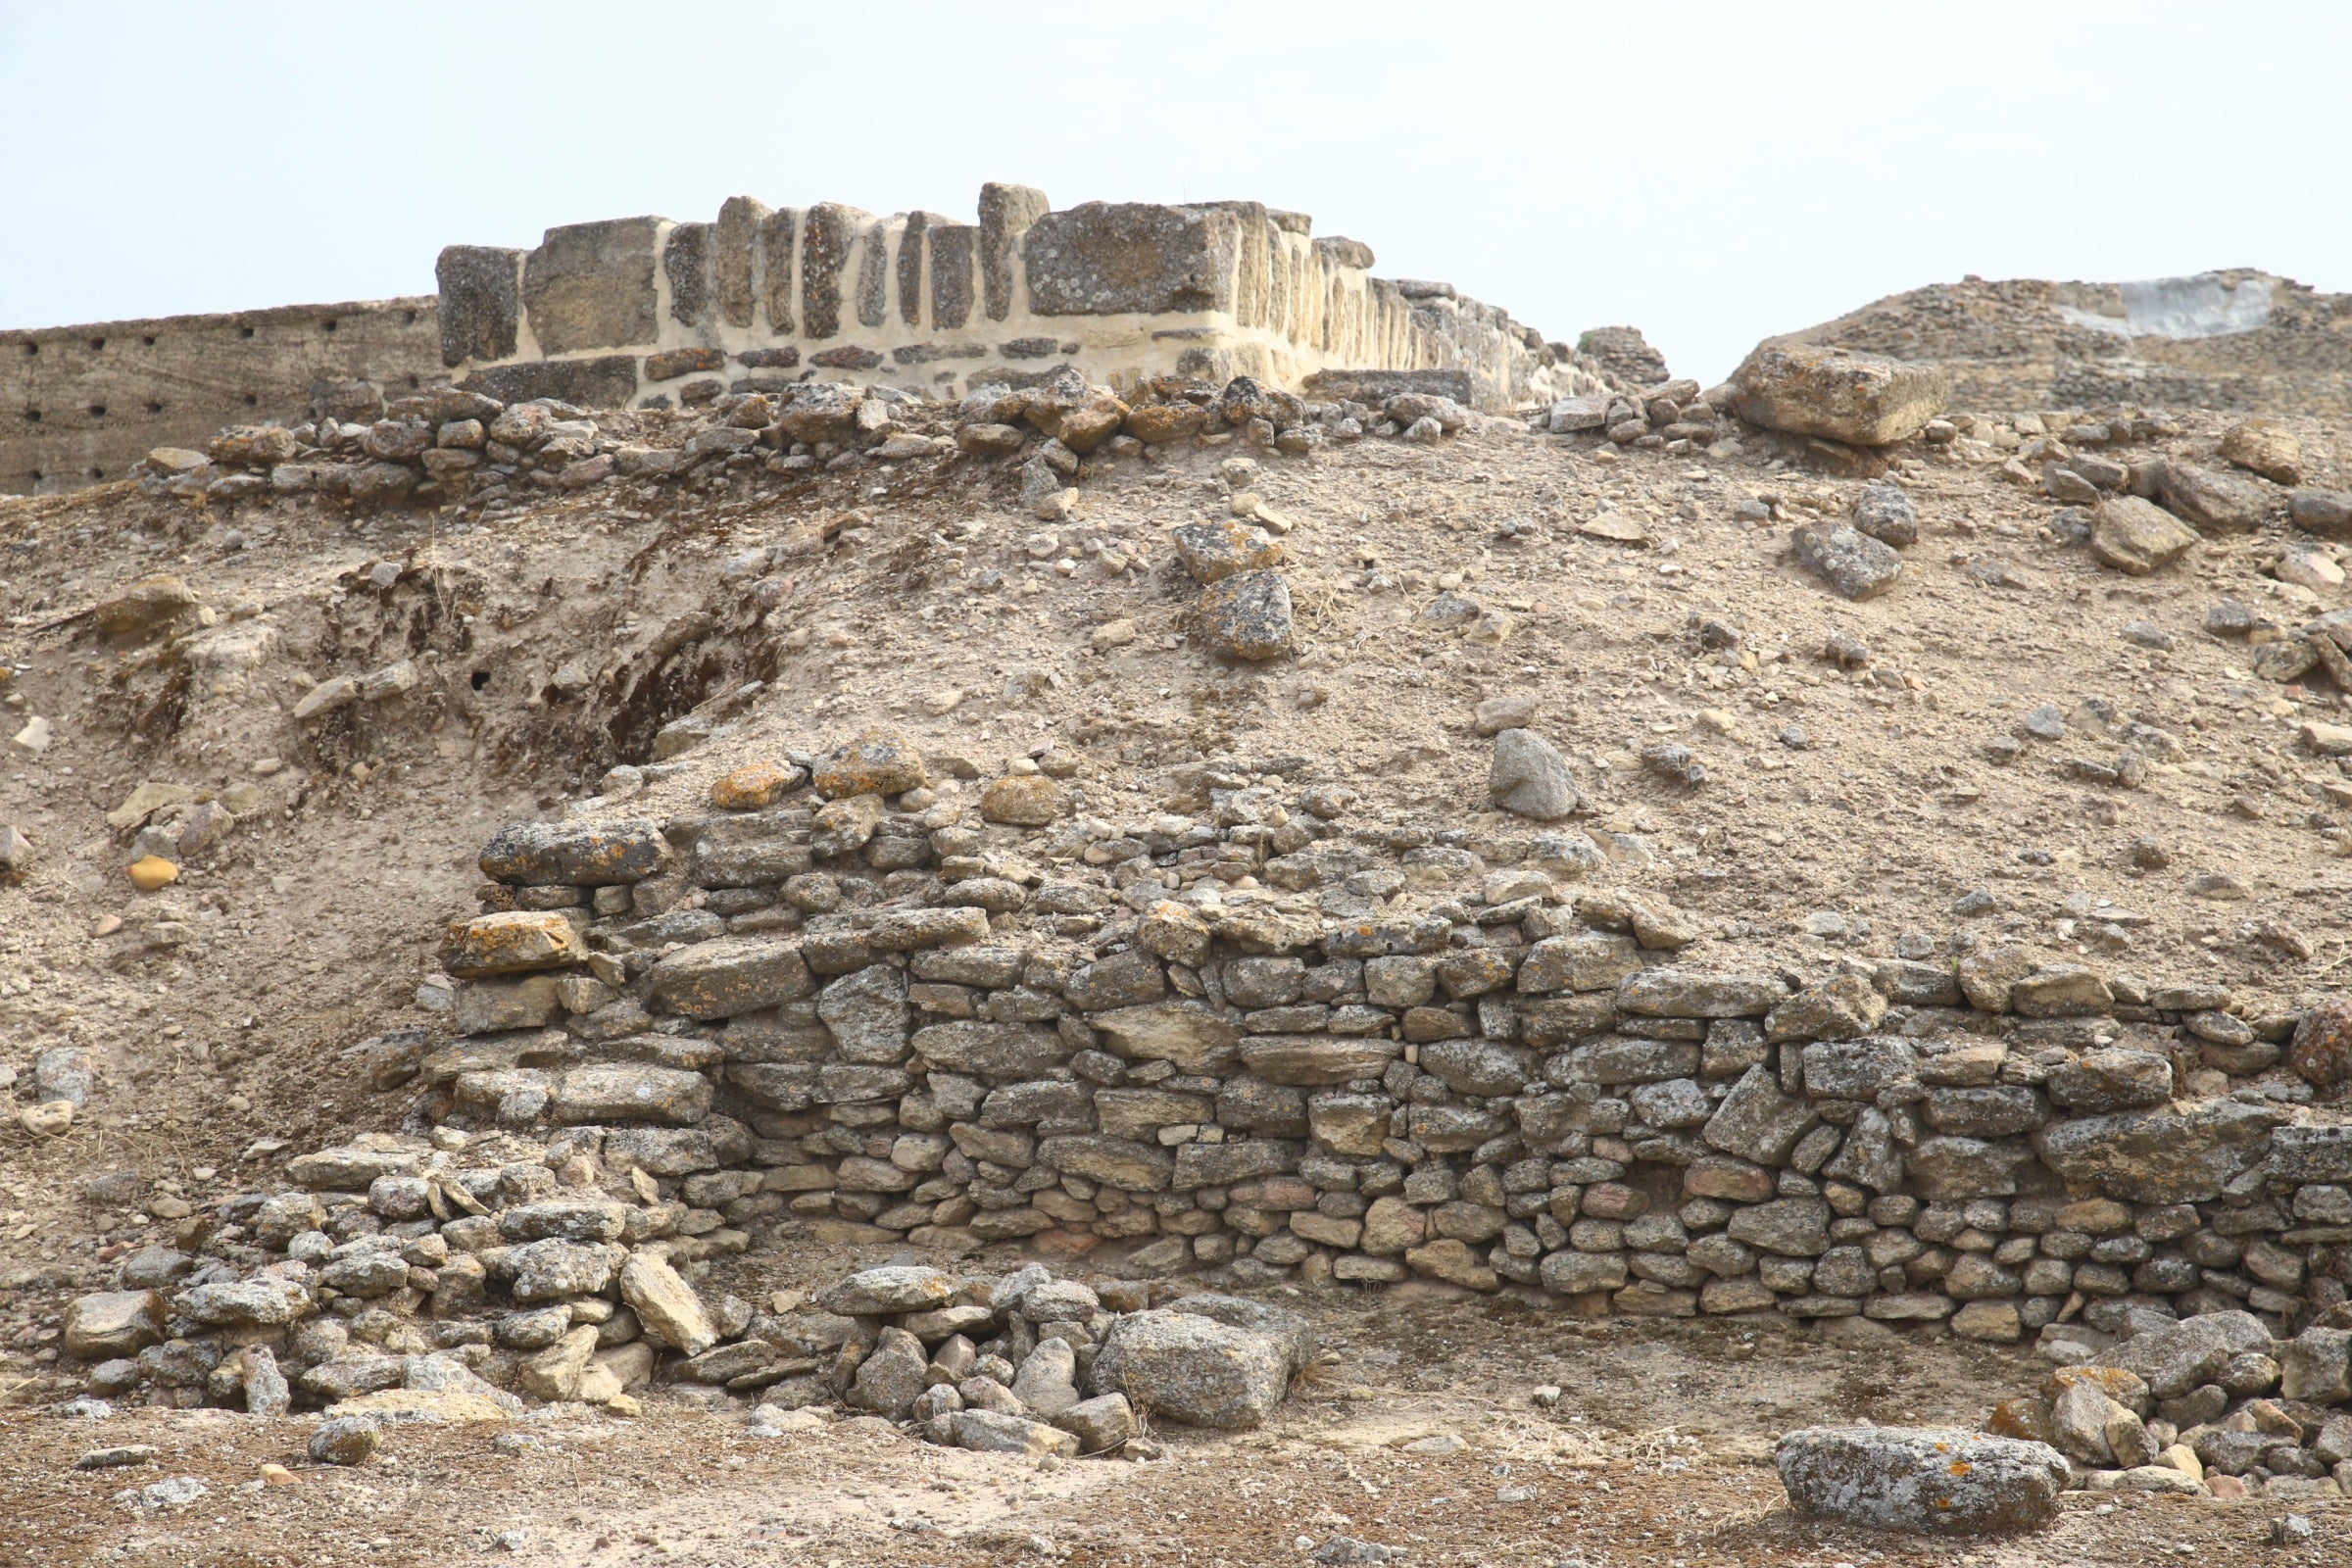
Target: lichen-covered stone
<point>896,1288</point>
<point>1193,1370</point>
<point>511,941</point>
<point>1849,560</point>
<point>2160,1156</point>
<point>1123,258</point>
<point>1029,799</point>
<point>540,854</point>
<point>1935,1482</point>
<point>1246,616</point>
<point>878,762</point>
<point>2321,1052</point>
<point>1215,551</point>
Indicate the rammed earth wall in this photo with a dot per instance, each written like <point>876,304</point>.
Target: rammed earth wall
<point>957,1029</point>
<point>640,310</point>
<point>82,405</point>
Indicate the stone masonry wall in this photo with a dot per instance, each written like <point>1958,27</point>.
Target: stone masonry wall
<point>644,310</point>
<point>81,404</point>
<point>976,1014</point>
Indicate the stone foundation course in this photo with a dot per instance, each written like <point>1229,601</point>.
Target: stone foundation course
<point>1221,1039</point>
<point>1252,1037</point>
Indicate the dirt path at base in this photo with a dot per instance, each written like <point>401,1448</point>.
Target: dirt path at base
<point>1424,1436</point>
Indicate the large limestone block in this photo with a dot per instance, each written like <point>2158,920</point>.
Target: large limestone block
<point>1121,1162</point>
<point>893,1288</point>
<point>620,1091</point>
<point>591,285</point>
<point>511,941</point>
<point>480,302</point>
<point>1310,1060</point>
<point>2184,1355</point>
<point>1671,993</point>
<point>1864,399</point>
<point>1131,258</point>
<point>990,1050</point>
<point>986,1431</point>
<point>666,1305</point>
<point>1193,1370</point>
<point>2160,1156</point>
<point>1193,1037</point>
<point>555,1372</point>
<point>1936,1482</point>
<point>730,976</point>
<point>535,854</point>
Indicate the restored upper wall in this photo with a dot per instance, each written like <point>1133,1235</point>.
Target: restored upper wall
<point>80,404</point>
<point>639,310</point>
<point>642,311</point>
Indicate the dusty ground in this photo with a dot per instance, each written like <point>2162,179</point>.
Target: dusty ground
<point>1657,1453</point>
<point>554,643</point>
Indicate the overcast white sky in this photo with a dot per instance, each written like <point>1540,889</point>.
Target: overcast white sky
<point>1710,172</point>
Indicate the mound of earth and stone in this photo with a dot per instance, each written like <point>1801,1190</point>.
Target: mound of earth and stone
<point>1789,853</point>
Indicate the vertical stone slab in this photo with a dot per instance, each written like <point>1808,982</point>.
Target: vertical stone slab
<point>687,261</point>
<point>591,285</point>
<point>1006,213</point>
<point>953,248</point>
<point>779,233</point>
<point>737,263</point>
<point>481,302</point>
<point>827,237</point>
<point>873,273</point>
<point>913,244</point>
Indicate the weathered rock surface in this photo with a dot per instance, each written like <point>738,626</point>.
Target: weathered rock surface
<point>1864,399</point>
<point>1935,1482</point>
<point>1193,1369</point>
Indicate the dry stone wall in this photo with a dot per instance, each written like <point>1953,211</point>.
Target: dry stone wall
<point>82,405</point>
<point>978,1014</point>
<point>648,311</point>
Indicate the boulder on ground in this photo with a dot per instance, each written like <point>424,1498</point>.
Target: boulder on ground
<point>2138,536</point>
<point>1849,560</point>
<point>1530,777</point>
<point>1193,1370</point>
<point>1937,1482</point>
<point>1864,399</point>
<point>2215,501</point>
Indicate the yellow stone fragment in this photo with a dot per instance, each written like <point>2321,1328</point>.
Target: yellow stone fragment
<point>151,872</point>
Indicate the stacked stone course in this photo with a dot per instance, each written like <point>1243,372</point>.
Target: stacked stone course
<point>919,1017</point>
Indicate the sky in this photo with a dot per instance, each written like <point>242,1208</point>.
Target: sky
<point>1709,173</point>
